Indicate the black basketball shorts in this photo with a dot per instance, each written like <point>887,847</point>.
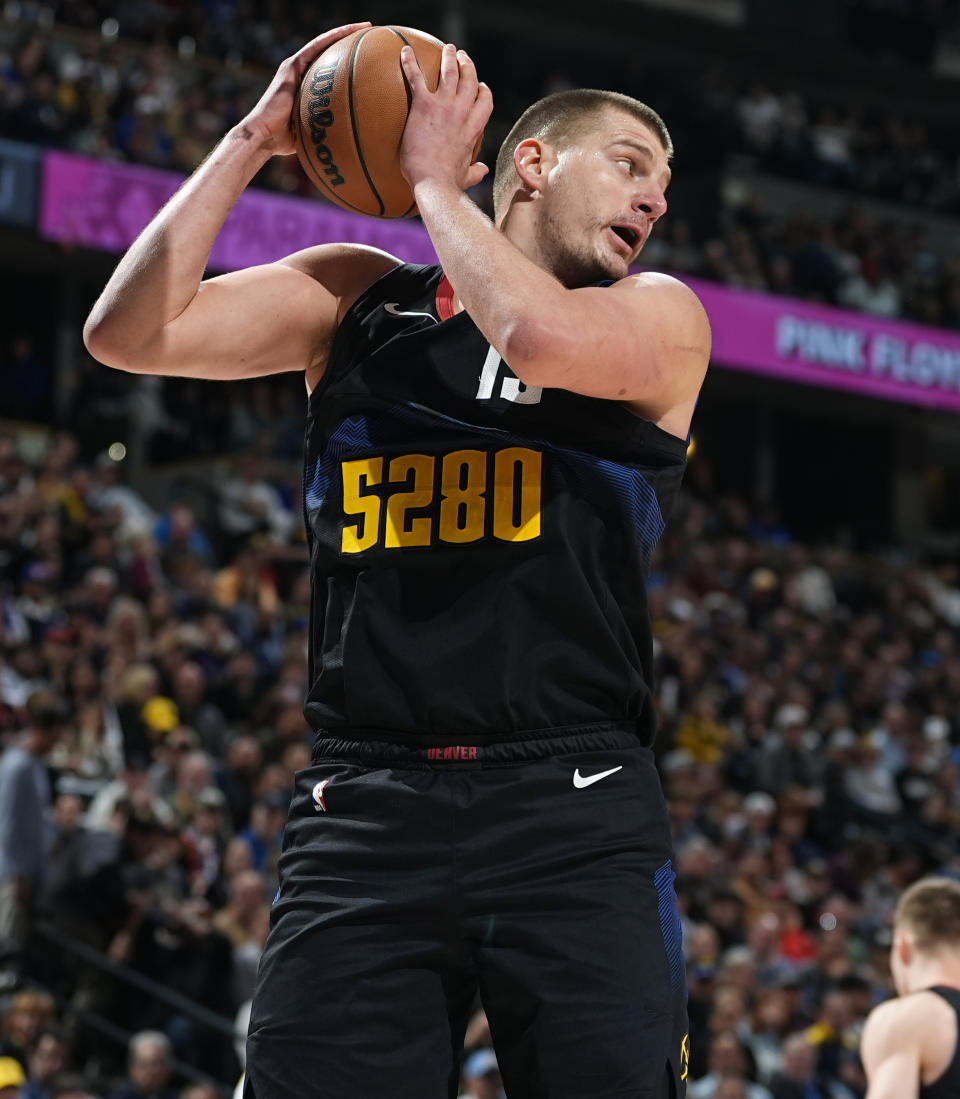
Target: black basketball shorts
<point>537,872</point>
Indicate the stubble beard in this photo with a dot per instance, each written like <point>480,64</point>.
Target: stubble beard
<point>573,262</point>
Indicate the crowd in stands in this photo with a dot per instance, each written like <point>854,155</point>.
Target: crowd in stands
<point>110,97</point>
<point>151,677</point>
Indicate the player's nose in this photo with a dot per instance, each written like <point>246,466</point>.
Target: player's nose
<point>651,201</point>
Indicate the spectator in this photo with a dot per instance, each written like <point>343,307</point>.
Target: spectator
<point>24,800</point>
<point>797,1079</point>
<point>149,1068</point>
<point>789,757</point>
<point>30,1012</point>
<point>12,1078</point>
<point>728,1057</point>
<point>250,505</point>
<point>77,856</point>
<point>46,1060</point>
<point>870,785</point>
<point>832,1035</point>
<point>245,920</point>
<point>195,708</point>
<point>127,508</point>
<point>265,830</point>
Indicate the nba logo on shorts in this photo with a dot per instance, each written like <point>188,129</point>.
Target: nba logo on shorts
<point>318,803</point>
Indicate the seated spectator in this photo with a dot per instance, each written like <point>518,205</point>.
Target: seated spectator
<point>870,785</point>
<point>790,757</point>
<point>46,1060</point>
<point>12,1078</point>
<point>131,794</point>
<point>149,1068</point>
<point>77,856</point>
<point>727,1057</point>
<point>249,505</point>
<point>266,830</point>
<point>833,1036</point>
<point>177,534</point>
<point>31,1011</point>
<point>245,920</point>
<point>797,1079</point>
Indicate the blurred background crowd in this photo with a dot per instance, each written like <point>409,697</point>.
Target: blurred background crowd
<point>152,670</point>
<point>152,639</point>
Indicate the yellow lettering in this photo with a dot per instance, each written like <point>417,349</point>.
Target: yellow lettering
<point>516,501</point>
<point>463,479</point>
<point>458,516</point>
<point>399,503</point>
<point>369,470</point>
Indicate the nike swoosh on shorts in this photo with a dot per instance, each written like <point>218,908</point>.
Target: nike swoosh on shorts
<point>588,780</point>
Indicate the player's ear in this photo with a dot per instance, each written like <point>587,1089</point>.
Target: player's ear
<point>532,161</point>
<point>902,947</point>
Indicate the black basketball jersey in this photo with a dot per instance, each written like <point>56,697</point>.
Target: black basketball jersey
<point>947,1085</point>
<point>479,549</point>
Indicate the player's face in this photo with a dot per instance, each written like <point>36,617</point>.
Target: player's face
<point>602,198</point>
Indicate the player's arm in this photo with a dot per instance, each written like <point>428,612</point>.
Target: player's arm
<point>155,315</point>
<point>891,1052</point>
<point>645,340</point>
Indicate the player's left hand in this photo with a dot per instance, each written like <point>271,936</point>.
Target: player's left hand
<point>443,127</point>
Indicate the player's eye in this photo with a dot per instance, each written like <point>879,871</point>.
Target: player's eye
<point>627,163</point>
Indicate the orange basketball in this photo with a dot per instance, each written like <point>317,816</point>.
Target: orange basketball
<point>352,109</point>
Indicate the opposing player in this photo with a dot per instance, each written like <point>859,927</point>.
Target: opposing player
<point>492,447</point>
<point>911,1045</point>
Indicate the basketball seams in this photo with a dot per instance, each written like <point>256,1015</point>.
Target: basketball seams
<point>353,120</point>
<point>411,209</point>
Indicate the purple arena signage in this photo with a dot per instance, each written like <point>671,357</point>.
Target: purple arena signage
<point>820,345</point>
<point>98,204</point>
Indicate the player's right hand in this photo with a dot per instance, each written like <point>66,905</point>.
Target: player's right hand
<point>270,123</point>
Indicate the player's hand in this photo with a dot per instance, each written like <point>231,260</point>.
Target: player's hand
<point>270,123</point>
<point>443,127</point>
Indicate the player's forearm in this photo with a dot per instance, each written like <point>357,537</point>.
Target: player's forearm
<point>510,299</point>
<point>160,273</point>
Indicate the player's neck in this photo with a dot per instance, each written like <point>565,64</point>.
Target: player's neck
<point>935,971</point>
<point>520,227</point>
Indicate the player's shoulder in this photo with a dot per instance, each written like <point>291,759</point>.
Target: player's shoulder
<point>669,294</point>
<point>660,284</point>
<point>355,260</point>
<point>905,1019</point>
<point>344,270</point>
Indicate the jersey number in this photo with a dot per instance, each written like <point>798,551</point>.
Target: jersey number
<point>511,389</point>
<point>459,505</point>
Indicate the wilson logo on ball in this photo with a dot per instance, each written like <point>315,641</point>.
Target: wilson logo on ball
<point>321,119</point>
<point>359,82</point>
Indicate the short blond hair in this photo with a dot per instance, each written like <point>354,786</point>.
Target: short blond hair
<point>930,911</point>
<point>561,118</point>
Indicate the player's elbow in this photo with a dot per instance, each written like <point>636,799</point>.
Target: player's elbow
<point>103,343</point>
<point>534,350</point>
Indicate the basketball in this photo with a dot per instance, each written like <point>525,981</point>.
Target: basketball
<point>350,116</point>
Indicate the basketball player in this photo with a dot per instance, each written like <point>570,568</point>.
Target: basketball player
<point>492,447</point>
<point>910,1045</point>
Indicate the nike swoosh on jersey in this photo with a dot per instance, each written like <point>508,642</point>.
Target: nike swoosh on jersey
<point>588,780</point>
<point>393,308</point>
